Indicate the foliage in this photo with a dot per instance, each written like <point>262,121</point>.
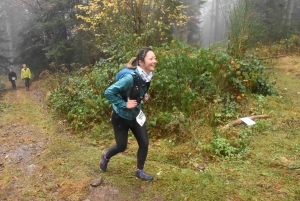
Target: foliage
<point>189,79</point>
<point>236,147</point>
<point>279,19</point>
<point>4,59</point>
<point>244,27</point>
<point>191,32</point>
<point>286,46</point>
<point>80,103</point>
<point>186,81</point>
<point>223,148</point>
<point>4,62</point>
<point>2,85</point>
<point>267,53</point>
<point>51,35</point>
<point>251,22</point>
<point>121,26</point>
<point>170,124</point>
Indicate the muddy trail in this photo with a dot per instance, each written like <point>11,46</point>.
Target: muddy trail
<point>27,130</point>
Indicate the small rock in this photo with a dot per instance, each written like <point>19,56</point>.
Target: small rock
<point>32,166</point>
<point>97,182</point>
<point>201,168</point>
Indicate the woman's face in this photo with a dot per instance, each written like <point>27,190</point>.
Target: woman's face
<point>149,63</point>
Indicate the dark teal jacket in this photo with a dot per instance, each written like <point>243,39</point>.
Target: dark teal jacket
<point>123,87</point>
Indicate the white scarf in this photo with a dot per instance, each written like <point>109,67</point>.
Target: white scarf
<point>146,77</point>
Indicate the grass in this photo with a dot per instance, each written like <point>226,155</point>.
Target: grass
<point>268,170</point>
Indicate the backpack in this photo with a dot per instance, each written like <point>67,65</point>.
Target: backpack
<point>135,91</point>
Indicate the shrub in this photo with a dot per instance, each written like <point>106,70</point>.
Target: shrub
<point>237,147</point>
<point>186,75</point>
<point>77,99</point>
<point>2,86</point>
<point>185,81</point>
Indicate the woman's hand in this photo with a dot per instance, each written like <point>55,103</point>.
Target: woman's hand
<point>131,103</point>
<point>146,97</point>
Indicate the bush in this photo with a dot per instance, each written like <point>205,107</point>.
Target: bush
<point>185,81</point>
<point>2,85</point>
<point>237,147</point>
<point>79,101</point>
<point>187,77</point>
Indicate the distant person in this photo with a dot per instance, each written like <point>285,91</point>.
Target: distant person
<point>12,77</point>
<point>26,75</point>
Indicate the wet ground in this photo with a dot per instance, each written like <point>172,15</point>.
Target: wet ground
<point>21,144</point>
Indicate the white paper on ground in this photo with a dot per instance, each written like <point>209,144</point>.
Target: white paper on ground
<point>248,121</point>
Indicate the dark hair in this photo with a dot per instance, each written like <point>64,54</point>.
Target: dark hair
<point>134,61</point>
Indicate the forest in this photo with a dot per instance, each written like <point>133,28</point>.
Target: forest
<point>79,33</point>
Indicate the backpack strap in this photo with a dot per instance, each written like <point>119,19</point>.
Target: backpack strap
<point>123,72</point>
<point>136,87</point>
<point>148,86</point>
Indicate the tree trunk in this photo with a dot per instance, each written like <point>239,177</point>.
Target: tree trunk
<point>212,21</point>
<point>10,40</point>
<point>290,5</point>
<point>216,34</point>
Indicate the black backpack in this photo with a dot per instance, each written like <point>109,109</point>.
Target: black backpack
<point>136,88</point>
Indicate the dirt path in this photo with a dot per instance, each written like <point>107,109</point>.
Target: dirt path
<point>26,132</point>
<point>20,142</point>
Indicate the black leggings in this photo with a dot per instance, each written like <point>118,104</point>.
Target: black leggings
<point>27,80</point>
<point>13,83</point>
<point>121,127</point>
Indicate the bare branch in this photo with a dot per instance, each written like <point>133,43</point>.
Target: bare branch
<point>239,121</point>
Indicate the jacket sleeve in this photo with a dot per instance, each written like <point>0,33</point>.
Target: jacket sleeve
<point>22,76</point>
<point>113,93</point>
<point>29,74</point>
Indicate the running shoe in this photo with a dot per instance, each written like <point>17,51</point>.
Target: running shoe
<point>140,174</point>
<point>103,162</point>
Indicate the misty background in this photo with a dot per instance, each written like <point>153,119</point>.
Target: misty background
<point>44,33</point>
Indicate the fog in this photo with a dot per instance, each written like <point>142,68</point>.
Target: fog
<point>14,15</point>
<point>12,19</point>
<point>214,26</point>
<point>211,25</point>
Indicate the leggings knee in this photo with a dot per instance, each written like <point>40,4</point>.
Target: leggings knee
<point>121,148</point>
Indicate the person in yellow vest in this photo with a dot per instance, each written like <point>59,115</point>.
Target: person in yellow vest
<point>26,75</point>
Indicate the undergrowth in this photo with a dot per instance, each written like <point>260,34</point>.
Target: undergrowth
<point>2,85</point>
<point>191,86</point>
<point>186,81</point>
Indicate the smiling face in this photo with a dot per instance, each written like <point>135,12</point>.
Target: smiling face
<point>149,61</point>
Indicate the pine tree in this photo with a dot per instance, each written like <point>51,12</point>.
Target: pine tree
<point>51,36</point>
